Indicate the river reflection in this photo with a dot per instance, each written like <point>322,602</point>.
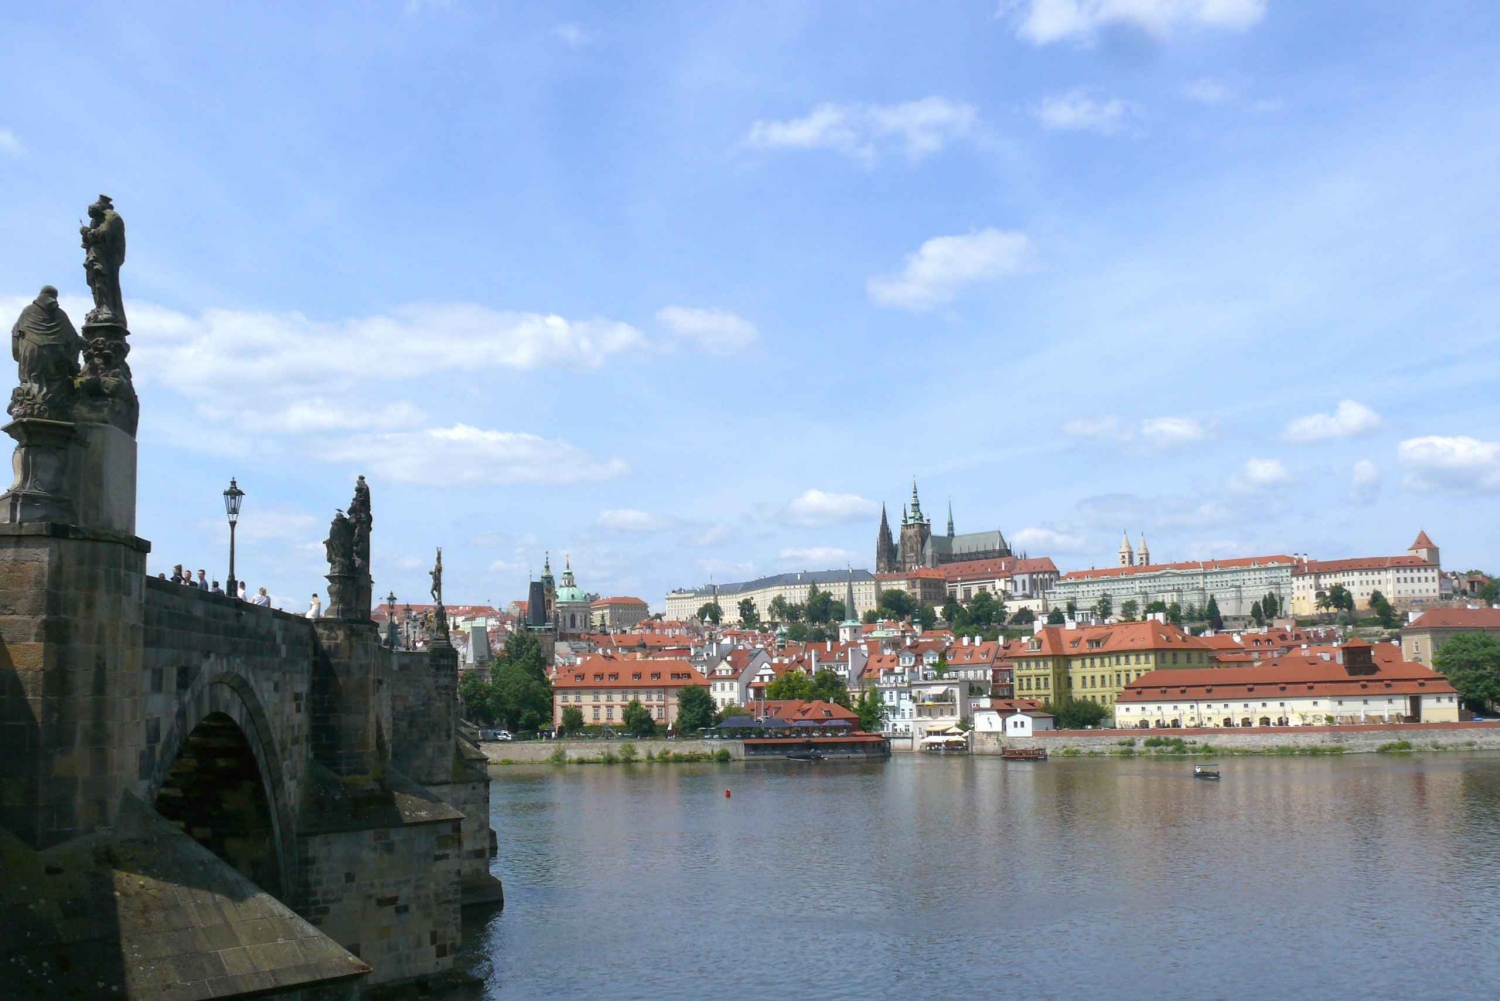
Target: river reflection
<point>971,877</point>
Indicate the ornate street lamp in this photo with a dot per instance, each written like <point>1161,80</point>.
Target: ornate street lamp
<point>232,498</point>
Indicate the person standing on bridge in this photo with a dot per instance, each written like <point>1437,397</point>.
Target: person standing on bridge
<point>315,610</point>
<point>262,599</point>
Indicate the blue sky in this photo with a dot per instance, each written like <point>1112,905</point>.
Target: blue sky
<point>687,290</point>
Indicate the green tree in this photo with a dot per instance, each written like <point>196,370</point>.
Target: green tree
<point>1130,609</point>
<point>1384,610</point>
<point>1023,617</point>
<point>521,702</point>
<point>695,709</point>
<point>525,650</point>
<point>1490,593</point>
<point>1156,607</point>
<point>1270,605</point>
<point>572,720</point>
<point>871,710</point>
<point>1077,714</point>
<point>749,617</point>
<point>710,611</point>
<point>927,616</point>
<point>872,617</point>
<point>795,613</point>
<point>952,610</point>
<point>819,605</point>
<point>1472,663</point>
<point>1191,613</point>
<point>896,604</point>
<point>829,687</point>
<point>1072,609</point>
<point>837,612</point>
<point>777,609</point>
<point>941,667</point>
<point>1056,617</point>
<point>474,690</point>
<point>638,721</point>
<point>1257,614</point>
<point>1212,614</point>
<point>729,711</point>
<point>791,685</point>
<point>1104,606</point>
<point>1174,614</point>
<point>982,610</point>
<point>797,631</point>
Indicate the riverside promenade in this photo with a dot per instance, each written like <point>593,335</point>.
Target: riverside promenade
<point>1353,739</point>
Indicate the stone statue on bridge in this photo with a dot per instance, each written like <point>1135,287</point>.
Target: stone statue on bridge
<point>104,241</point>
<point>362,520</point>
<point>439,613</point>
<point>339,546</point>
<point>45,346</point>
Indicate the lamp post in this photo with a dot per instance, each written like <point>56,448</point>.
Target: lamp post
<point>390,620</point>
<point>232,498</point>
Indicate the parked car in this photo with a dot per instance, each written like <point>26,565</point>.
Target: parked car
<point>486,734</point>
<point>503,735</point>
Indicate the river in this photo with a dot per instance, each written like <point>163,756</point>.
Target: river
<point>1370,875</point>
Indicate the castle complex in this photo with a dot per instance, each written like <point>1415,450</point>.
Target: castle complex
<point>918,547</point>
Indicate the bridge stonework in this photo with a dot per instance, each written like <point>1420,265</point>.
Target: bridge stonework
<point>305,757</point>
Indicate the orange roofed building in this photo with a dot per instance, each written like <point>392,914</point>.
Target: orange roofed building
<point>1061,663</point>
<point>1355,683</point>
<point>601,687</point>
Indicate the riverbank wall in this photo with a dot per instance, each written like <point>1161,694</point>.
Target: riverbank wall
<point>541,751</point>
<point>1258,740</point>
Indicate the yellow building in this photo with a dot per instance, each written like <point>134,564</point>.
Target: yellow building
<point>1095,663</point>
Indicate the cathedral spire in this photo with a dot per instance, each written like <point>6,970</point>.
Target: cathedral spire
<point>950,517</point>
<point>916,504</point>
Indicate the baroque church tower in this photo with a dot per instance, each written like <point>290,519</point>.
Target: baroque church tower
<point>915,531</point>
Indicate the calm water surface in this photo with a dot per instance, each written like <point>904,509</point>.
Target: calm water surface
<point>1365,876</point>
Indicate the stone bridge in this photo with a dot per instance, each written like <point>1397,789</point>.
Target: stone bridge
<point>201,797</point>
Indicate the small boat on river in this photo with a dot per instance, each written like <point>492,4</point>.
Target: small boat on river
<point>1023,754</point>
<point>1210,772</point>
<point>808,755</point>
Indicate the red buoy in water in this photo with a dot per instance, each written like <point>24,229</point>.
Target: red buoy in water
<point>726,793</point>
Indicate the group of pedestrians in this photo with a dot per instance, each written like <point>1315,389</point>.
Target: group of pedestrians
<point>186,579</point>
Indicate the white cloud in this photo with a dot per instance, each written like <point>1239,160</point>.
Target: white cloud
<point>1154,432</point>
<point>464,455</point>
<point>712,330</point>
<point>629,519</point>
<point>572,34</point>
<point>1364,482</point>
<point>863,130</point>
<point>1349,420</point>
<point>9,145</point>
<point>1115,511</point>
<point>724,568</point>
<point>276,524</point>
<point>1457,463</point>
<point>708,535</point>
<point>1258,474</point>
<point>941,266</point>
<point>1042,22</point>
<point>817,557</point>
<point>1076,111</point>
<point>815,509</point>
<point>1046,540</point>
<point>1207,90</point>
<point>316,416</point>
<point>1170,432</point>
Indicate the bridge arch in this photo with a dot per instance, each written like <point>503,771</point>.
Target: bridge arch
<point>218,775</point>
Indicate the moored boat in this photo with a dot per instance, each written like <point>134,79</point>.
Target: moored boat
<point>1210,772</point>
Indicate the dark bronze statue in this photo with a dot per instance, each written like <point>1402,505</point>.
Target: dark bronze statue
<point>439,613</point>
<point>104,241</point>
<point>45,346</point>
<point>362,520</point>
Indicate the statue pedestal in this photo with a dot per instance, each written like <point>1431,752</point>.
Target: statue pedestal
<point>105,484</point>
<point>343,600</point>
<point>42,491</point>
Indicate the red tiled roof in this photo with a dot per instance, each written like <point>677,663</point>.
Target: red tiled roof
<point>1003,566</point>
<point>920,573</point>
<point>1293,675</point>
<point>1360,563</point>
<point>607,672</point>
<point>634,602</point>
<point>795,709</point>
<point>1234,564</point>
<point>1423,542</point>
<point>1457,618</point>
<point>1058,641</point>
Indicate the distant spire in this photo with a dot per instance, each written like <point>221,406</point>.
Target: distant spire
<point>916,504</point>
<point>950,517</point>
